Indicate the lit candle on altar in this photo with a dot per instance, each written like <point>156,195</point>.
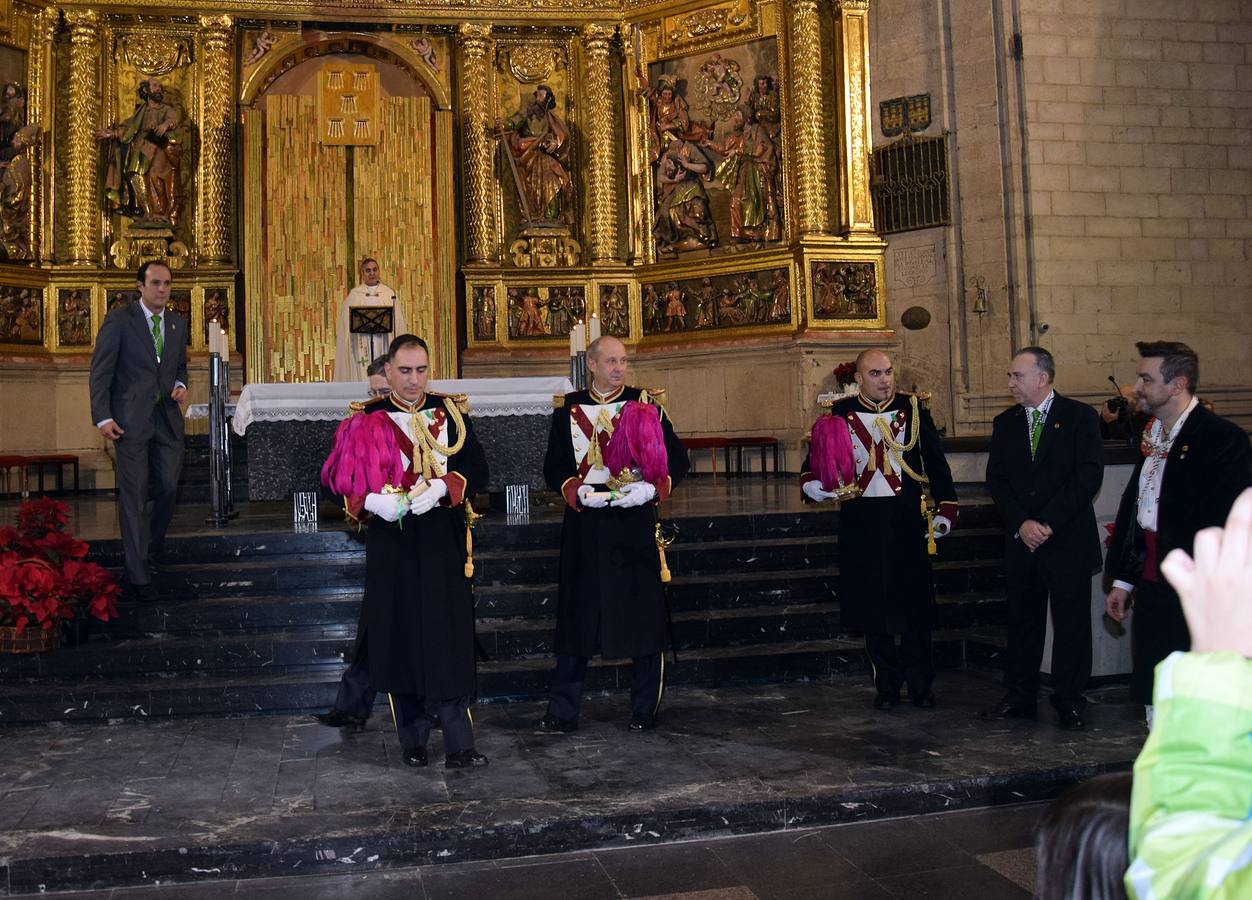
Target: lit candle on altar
<point>225,339</point>
<point>581,334</point>
<point>594,329</point>
<point>213,336</point>
<point>573,341</point>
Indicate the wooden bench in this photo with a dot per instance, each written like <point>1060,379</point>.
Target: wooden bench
<point>7,465</point>
<point>712,444</point>
<point>738,444</point>
<point>58,462</point>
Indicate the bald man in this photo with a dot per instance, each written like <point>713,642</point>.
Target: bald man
<point>610,599</point>
<point>885,583</point>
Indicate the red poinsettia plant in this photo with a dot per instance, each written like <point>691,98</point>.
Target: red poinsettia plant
<point>845,374</point>
<point>44,578</point>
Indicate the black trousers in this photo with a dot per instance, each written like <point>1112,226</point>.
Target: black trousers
<point>414,716</point>
<point>647,685</point>
<point>912,665</point>
<point>1031,583</point>
<point>356,697</point>
<point>147,483</point>
<point>1157,629</point>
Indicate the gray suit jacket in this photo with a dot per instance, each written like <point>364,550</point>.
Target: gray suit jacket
<point>125,375</point>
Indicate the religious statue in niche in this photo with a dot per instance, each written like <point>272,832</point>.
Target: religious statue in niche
<point>715,142</point>
<point>74,318</point>
<point>718,301</point>
<point>749,170</point>
<point>16,142</point>
<point>844,290</point>
<point>144,153</point>
<point>485,313</point>
<point>537,146</point>
<point>21,315</point>
<point>216,309</point>
<point>614,311</point>
<point>684,218</point>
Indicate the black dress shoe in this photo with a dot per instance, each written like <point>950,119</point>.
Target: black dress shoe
<point>924,701</point>
<point>642,721</point>
<point>337,719</point>
<point>885,701</point>
<point>1009,709</point>
<point>1070,719</point>
<point>555,723</point>
<point>415,756</point>
<point>463,759</point>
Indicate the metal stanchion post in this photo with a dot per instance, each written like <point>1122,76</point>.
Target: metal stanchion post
<point>217,516</point>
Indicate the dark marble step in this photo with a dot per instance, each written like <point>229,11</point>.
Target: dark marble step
<point>263,693</point>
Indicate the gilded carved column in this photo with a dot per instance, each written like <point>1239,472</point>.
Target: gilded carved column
<point>81,205</point>
<point>856,212</point>
<point>810,131</point>
<point>475,41</point>
<point>43,31</point>
<point>216,117</point>
<point>601,176</point>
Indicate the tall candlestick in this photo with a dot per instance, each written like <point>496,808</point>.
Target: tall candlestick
<point>573,341</point>
<point>581,337</point>
<point>594,330</point>
<point>225,339</point>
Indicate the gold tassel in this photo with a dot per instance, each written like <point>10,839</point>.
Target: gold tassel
<point>931,548</point>
<point>661,544</point>
<point>471,518</point>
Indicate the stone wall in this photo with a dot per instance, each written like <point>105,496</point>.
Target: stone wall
<point>1100,190</point>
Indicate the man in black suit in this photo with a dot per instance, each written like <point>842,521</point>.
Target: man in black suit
<point>1044,470</point>
<point>138,380</point>
<point>1194,464</point>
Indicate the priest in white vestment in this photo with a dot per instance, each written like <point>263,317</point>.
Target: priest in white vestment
<point>354,352</point>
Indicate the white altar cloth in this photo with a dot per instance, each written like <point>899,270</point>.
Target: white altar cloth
<point>328,401</point>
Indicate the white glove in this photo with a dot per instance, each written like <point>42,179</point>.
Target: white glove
<point>813,490</point>
<point>942,526</point>
<point>388,507</point>
<point>636,493</point>
<point>428,499</point>
<point>586,498</point>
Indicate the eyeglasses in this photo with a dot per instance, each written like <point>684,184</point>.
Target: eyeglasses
<point>380,392</point>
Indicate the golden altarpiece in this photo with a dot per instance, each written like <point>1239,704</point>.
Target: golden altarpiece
<point>694,174</point>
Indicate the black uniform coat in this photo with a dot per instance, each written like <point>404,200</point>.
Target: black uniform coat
<point>1209,465</point>
<point>1056,487</point>
<point>417,615</point>
<point>610,597</point>
<point>885,582</point>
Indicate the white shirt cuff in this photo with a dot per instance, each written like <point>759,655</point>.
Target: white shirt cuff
<point>1125,586</point>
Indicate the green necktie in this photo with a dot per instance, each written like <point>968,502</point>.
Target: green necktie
<point>159,341</point>
<point>1036,429</point>
<point>157,338</point>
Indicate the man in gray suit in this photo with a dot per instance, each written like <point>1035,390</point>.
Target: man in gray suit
<point>138,380</point>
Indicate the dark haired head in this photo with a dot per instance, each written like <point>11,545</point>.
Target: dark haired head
<point>550,100</point>
<point>1177,359</point>
<point>1081,847</point>
<point>1043,359</point>
<point>142,275</point>
<point>376,367</point>
<point>405,340</point>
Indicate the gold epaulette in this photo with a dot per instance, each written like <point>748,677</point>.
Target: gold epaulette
<point>461,401</point>
<point>357,406</point>
<point>558,401</point>
<point>653,395</point>
<point>922,396</point>
<point>827,404</point>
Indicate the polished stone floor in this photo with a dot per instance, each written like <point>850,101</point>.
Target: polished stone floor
<point>983,853</point>
<point>184,799</point>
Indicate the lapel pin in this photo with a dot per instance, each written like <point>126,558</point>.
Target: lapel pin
<point>1056,425</point>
